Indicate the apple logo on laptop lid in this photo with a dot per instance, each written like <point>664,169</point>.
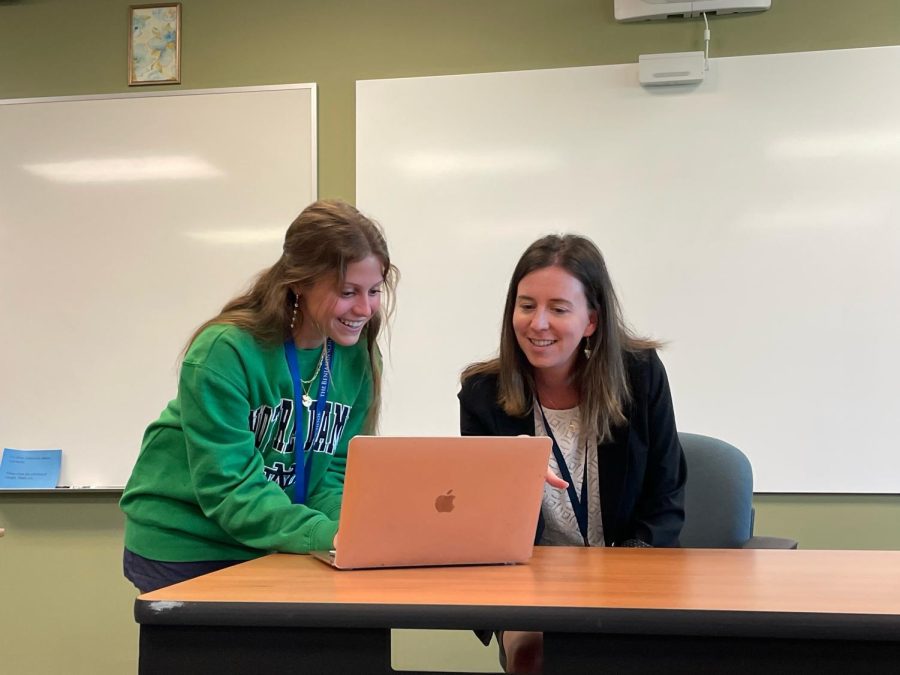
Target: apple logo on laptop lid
<point>444,503</point>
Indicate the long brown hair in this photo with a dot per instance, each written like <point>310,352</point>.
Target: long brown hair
<point>602,378</point>
<point>327,236</point>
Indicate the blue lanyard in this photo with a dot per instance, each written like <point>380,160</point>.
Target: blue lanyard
<point>302,445</point>
<point>579,506</point>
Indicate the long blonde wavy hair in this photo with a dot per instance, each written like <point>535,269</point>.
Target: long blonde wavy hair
<point>327,236</point>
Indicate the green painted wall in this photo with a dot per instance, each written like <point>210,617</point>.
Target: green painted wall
<point>63,605</point>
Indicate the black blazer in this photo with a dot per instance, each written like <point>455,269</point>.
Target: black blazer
<point>642,469</point>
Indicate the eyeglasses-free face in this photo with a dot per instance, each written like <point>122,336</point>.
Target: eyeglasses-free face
<point>341,313</point>
<point>550,319</point>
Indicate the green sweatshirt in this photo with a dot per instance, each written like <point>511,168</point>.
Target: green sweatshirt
<point>214,478</point>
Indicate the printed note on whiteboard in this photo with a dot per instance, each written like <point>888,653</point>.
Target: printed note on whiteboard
<point>29,469</point>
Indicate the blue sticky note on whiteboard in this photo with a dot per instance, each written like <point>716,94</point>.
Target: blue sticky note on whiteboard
<point>30,469</point>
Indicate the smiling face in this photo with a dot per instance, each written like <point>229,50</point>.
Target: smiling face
<point>550,319</point>
<point>340,312</point>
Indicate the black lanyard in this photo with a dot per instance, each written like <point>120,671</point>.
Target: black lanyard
<point>579,506</point>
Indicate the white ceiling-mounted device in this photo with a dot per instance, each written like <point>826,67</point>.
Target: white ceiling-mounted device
<point>677,68</point>
<point>648,10</point>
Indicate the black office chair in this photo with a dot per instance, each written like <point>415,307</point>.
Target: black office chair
<point>718,502</point>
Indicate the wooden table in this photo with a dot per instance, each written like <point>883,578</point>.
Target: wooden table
<point>607,610</point>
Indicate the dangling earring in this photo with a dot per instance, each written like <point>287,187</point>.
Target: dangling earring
<point>587,349</point>
<point>296,306</point>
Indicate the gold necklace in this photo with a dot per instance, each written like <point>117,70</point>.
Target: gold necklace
<point>573,419</point>
<point>306,399</point>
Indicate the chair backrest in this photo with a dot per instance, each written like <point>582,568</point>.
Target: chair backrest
<point>718,498</point>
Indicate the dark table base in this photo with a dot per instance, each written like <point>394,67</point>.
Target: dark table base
<point>677,655</point>
<point>224,650</point>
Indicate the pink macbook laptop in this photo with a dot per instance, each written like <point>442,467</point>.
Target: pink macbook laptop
<point>411,502</point>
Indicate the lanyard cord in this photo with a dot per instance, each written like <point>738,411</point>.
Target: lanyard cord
<point>579,506</point>
<point>302,445</point>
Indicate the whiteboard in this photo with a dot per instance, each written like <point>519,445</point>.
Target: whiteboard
<point>750,221</point>
<point>125,222</point>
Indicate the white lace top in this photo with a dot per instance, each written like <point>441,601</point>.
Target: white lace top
<point>560,524</point>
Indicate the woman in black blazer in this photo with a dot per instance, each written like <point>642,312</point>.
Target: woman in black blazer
<point>570,369</point>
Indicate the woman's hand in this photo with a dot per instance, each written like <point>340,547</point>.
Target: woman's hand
<point>555,481</point>
<point>552,479</point>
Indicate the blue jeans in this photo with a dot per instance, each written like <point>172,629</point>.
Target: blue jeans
<point>148,575</point>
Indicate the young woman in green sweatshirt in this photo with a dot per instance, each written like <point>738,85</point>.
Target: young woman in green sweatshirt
<point>216,481</point>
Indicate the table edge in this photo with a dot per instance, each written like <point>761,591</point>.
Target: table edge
<point>705,623</point>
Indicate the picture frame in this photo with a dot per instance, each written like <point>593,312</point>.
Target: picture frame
<point>154,44</point>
